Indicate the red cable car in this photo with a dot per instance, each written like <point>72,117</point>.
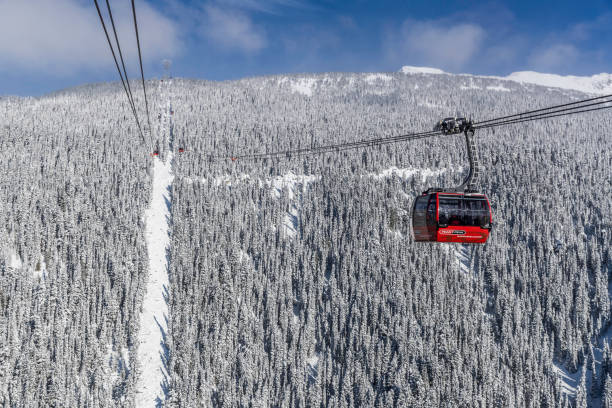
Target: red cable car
<point>452,217</point>
<point>458,214</point>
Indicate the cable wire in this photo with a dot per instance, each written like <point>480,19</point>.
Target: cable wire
<point>513,121</point>
<point>336,147</point>
<point>553,112</point>
<point>127,81</point>
<point>110,44</point>
<point>543,109</point>
<point>144,90</point>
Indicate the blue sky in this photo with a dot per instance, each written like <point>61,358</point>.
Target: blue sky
<point>49,45</point>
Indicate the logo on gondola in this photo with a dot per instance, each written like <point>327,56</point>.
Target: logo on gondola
<point>452,232</point>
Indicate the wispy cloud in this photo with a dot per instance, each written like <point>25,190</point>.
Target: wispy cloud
<point>584,30</point>
<point>264,6</point>
<point>554,57</point>
<point>60,37</point>
<point>232,30</point>
<point>479,44</point>
<point>433,43</point>
<point>572,50</point>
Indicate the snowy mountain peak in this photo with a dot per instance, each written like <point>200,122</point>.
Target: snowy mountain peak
<point>596,84</point>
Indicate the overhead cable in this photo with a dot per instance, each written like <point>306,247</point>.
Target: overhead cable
<point>127,81</point>
<point>144,90</point>
<point>339,146</point>
<point>517,115</point>
<point>123,82</point>
<point>538,114</point>
<point>548,116</point>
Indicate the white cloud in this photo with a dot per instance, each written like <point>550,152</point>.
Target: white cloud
<point>233,30</point>
<point>554,58</point>
<point>437,44</point>
<point>61,37</point>
<point>584,31</point>
<point>264,6</point>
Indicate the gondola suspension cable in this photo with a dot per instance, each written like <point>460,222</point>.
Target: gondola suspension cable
<point>396,139</point>
<point>127,81</point>
<point>530,119</point>
<point>330,148</point>
<point>131,103</point>
<point>517,115</point>
<point>144,90</point>
<point>339,146</point>
<point>491,123</point>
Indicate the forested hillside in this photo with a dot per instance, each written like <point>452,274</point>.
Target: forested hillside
<point>296,281</point>
<point>73,189</point>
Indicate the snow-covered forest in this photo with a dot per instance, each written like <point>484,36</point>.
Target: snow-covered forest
<point>296,282</point>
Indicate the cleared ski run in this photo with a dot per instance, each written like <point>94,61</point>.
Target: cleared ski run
<point>152,383</point>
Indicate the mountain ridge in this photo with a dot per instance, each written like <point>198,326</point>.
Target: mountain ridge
<point>595,84</point>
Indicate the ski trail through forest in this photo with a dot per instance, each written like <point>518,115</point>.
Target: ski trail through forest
<point>152,352</point>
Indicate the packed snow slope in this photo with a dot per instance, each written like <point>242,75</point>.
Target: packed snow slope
<point>152,350</point>
<point>296,282</point>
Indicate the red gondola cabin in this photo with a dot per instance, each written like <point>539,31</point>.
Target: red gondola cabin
<point>452,217</point>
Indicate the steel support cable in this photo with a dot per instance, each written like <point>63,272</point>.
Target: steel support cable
<point>543,109</point>
<point>334,148</point>
<point>568,110</point>
<point>144,90</point>
<point>415,136</point>
<point>402,138</point>
<point>327,148</point>
<point>505,120</point>
<point>513,121</point>
<point>406,138</point>
<point>410,136</point>
<point>545,114</point>
<point>110,44</point>
<point>127,81</point>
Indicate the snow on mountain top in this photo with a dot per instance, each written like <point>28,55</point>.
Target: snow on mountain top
<point>303,86</point>
<point>372,78</point>
<point>596,84</point>
<point>498,88</point>
<point>407,69</point>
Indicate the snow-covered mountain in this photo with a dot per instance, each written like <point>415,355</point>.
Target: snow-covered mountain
<point>135,277</point>
<point>595,84</point>
<point>406,69</point>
